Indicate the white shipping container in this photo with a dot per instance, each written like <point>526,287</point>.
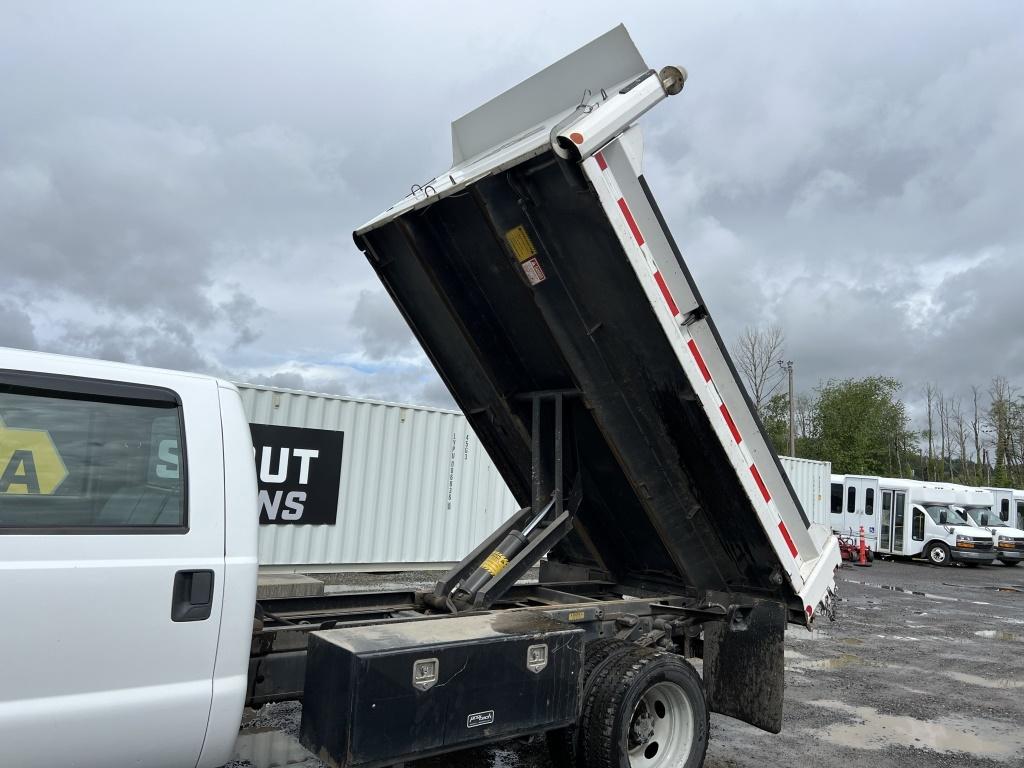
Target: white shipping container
<point>812,481</point>
<point>417,487</point>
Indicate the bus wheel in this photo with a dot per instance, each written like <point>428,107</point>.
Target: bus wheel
<point>648,711</point>
<point>938,554</point>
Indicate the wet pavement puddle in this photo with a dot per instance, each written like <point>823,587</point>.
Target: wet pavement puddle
<point>1000,634</point>
<point>985,682</point>
<point>270,748</point>
<point>929,595</point>
<point>836,662</point>
<point>804,635</point>
<point>874,730</point>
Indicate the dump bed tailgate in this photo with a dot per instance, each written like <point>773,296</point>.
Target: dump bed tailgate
<point>543,263</point>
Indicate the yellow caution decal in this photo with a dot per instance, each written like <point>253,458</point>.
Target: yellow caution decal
<point>520,243</point>
<point>495,563</point>
<point>29,462</point>
<point>576,615</point>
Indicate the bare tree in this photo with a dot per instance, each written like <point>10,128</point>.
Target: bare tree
<point>976,476</point>
<point>999,422</point>
<point>958,435</point>
<point>758,351</point>
<point>943,434</point>
<point>929,394</point>
<point>804,415</point>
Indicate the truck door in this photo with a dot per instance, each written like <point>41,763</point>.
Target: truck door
<point>111,567</point>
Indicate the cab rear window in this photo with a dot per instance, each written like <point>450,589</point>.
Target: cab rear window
<point>85,456</point>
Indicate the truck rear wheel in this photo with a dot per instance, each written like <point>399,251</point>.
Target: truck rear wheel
<point>648,711</point>
<point>563,744</point>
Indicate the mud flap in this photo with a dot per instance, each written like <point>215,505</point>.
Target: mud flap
<point>744,665</point>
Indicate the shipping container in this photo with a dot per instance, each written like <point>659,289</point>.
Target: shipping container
<point>812,482</point>
<point>416,488</point>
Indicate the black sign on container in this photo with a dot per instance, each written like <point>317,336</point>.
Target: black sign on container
<point>299,472</point>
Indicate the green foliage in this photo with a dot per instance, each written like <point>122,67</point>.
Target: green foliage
<point>861,426</point>
<point>775,417</point>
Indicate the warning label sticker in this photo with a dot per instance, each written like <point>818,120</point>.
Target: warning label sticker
<point>29,462</point>
<point>520,243</point>
<point>533,271</point>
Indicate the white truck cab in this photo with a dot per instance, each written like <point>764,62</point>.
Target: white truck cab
<point>127,564</point>
<point>921,519</point>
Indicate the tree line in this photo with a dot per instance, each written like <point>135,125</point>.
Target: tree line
<point>862,425</point>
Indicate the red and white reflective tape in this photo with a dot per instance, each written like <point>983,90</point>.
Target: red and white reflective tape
<point>744,459</point>
<point>638,236</point>
<point>789,539</point>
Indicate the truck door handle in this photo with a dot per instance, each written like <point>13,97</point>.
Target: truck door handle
<point>192,597</point>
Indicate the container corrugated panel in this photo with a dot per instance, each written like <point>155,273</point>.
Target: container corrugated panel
<point>416,485</point>
<point>812,482</point>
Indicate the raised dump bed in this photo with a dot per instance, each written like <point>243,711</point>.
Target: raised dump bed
<point>539,276</point>
<point>541,279</point>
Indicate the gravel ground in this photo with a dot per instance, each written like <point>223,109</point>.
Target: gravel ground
<point>923,666</point>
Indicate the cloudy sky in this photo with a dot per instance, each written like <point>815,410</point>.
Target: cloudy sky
<point>179,181</point>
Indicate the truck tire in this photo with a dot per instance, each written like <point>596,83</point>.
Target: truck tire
<point>938,554</point>
<point>648,710</point>
<point>563,744</point>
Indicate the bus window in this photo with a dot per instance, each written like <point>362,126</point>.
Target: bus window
<point>1004,510</point>
<point>869,501</point>
<point>851,499</point>
<point>837,498</point>
<point>886,521</point>
<point>897,521</point>
<point>917,530</point>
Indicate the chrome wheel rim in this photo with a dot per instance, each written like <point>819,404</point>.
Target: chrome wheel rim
<point>661,730</point>
<point>938,555</point>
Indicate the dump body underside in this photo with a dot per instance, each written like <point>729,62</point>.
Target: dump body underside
<point>540,270</point>
<point>661,505</point>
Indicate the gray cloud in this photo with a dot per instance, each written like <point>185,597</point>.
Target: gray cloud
<point>15,327</point>
<point>186,199</point>
<point>383,332</point>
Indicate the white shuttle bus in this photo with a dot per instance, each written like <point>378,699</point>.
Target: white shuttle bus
<point>986,510</point>
<point>923,520</point>
<point>1003,503</point>
<point>854,504</point>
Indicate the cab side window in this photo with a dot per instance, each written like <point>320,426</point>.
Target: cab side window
<point>87,456</point>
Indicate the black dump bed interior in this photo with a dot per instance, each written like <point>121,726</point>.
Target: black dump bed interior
<point>661,505</point>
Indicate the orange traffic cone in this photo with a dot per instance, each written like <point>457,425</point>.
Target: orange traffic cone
<point>863,550</point>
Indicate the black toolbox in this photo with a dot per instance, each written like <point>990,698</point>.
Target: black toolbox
<point>377,695</point>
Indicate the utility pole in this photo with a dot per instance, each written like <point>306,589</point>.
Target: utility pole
<point>788,365</point>
<point>792,410</point>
